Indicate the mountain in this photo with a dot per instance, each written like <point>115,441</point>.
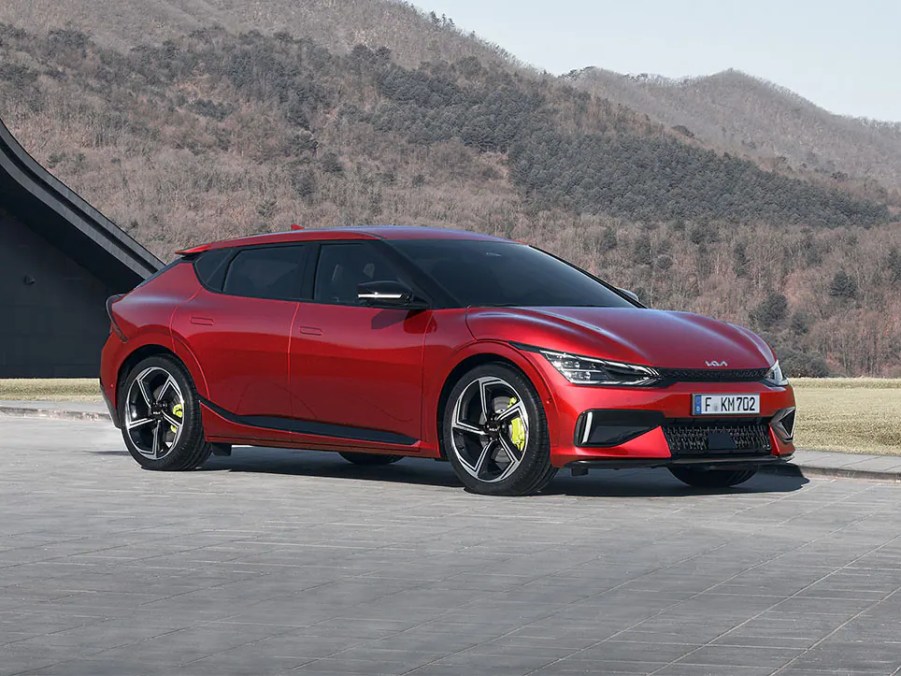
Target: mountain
<point>411,35</point>
<point>202,119</point>
<point>751,117</point>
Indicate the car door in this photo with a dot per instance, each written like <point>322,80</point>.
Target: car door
<point>239,326</point>
<point>356,371</point>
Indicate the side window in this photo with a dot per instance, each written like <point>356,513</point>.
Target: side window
<point>267,272</point>
<point>211,266</point>
<point>343,266</point>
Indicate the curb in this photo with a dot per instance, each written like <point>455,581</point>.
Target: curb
<point>788,469</point>
<point>57,414</point>
<point>791,469</point>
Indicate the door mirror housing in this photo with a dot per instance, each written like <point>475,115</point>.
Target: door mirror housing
<point>388,294</point>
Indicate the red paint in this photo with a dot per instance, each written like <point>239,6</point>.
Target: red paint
<point>385,369</point>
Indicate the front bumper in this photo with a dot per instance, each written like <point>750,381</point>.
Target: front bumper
<point>645,414</point>
<point>712,461</point>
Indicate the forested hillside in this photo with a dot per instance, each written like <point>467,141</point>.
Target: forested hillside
<point>220,133</point>
<point>744,115</point>
<point>411,35</point>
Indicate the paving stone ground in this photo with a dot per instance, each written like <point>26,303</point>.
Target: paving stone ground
<point>274,562</point>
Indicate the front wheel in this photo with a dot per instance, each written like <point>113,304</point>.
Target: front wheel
<point>712,478</point>
<point>495,433</point>
<point>160,414</point>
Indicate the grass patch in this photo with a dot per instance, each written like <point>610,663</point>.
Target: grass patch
<point>846,383</point>
<point>50,389</point>
<point>853,415</point>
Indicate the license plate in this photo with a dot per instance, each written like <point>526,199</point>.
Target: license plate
<point>725,404</point>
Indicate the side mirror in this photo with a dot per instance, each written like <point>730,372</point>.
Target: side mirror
<point>630,294</point>
<point>388,295</point>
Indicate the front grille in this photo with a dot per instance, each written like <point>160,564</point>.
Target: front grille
<point>717,437</point>
<point>714,375</point>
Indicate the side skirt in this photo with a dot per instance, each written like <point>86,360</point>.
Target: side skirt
<point>338,432</point>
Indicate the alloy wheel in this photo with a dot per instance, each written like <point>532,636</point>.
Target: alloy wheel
<point>490,429</point>
<point>154,412</point>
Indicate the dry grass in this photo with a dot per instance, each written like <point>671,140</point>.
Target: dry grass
<point>853,415</point>
<point>50,389</point>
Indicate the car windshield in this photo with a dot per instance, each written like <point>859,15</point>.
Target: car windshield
<point>489,273</point>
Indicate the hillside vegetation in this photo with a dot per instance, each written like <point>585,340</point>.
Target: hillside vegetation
<point>754,118</point>
<point>412,37</point>
<point>220,133</point>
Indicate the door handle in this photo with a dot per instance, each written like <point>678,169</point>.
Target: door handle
<point>202,321</point>
<point>310,331</point>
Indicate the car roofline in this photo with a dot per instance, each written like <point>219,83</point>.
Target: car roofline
<point>349,233</point>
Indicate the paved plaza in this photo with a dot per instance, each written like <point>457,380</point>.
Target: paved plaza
<point>274,562</point>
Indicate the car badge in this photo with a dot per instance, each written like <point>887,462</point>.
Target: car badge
<point>717,364</point>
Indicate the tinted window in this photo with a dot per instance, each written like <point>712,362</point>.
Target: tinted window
<point>275,272</point>
<point>343,266</point>
<point>211,266</point>
<point>481,273</point>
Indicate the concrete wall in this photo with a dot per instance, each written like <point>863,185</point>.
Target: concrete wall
<point>52,310</point>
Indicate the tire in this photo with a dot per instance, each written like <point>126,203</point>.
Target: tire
<point>371,459</point>
<point>490,451</point>
<point>712,478</point>
<point>151,392</point>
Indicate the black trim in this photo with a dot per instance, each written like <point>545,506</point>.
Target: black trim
<point>713,375</point>
<point>612,427</point>
<point>702,437</point>
<point>311,427</point>
<point>525,347</point>
<point>113,411</point>
<point>783,423</point>
<point>710,461</point>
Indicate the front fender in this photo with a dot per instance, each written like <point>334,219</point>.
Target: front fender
<point>476,352</point>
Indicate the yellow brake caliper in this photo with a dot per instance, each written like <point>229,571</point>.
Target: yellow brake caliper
<point>178,410</point>
<point>517,428</point>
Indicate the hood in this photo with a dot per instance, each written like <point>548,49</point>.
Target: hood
<point>658,338</point>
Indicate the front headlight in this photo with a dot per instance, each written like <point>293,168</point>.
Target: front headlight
<point>775,376</point>
<point>589,371</point>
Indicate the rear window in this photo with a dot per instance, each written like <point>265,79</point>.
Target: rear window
<point>267,272</point>
<point>211,267</point>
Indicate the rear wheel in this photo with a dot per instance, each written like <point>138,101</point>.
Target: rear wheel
<point>371,458</point>
<point>712,478</point>
<point>495,434</point>
<point>160,414</point>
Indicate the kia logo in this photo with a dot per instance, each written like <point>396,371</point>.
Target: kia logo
<point>717,364</point>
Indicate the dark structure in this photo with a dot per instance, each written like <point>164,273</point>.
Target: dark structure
<point>59,261</point>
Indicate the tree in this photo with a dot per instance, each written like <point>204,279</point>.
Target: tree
<point>771,311</point>
<point>893,266</point>
<point>331,164</point>
<point>641,250</point>
<point>843,286</point>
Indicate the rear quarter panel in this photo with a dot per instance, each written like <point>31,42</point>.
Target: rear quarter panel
<point>145,316</point>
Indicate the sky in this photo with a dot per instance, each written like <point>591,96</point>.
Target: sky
<point>844,56</point>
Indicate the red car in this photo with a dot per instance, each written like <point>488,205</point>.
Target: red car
<point>386,342</point>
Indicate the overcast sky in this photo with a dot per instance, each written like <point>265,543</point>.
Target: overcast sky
<point>844,56</point>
